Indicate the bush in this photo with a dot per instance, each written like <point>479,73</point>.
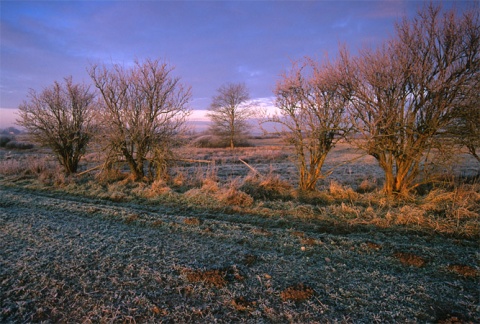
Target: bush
<point>271,187</point>
<point>18,145</point>
<point>314,198</point>
<point>367,186</point>
<point>213,141</point>
<point>234,197</point>
<point>4,140</point>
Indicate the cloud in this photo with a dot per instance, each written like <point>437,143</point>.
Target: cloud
<point>246,71</point>
<point>209,42</point>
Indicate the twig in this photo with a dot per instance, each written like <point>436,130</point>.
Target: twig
<point>251,168</point>
<point>192,161</point>
<point>90,170</point>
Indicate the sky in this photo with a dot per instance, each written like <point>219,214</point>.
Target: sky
<point>210,43</point>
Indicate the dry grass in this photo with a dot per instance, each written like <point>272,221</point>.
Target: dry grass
<point>234,197</point>
<point>243,304</point>
<point>410,259</point>
<point>373,246</point>
<point>297,293</point>
<point>192,221</point>
<point>215,278</point>
<point>270,187</point>
<point>338,191</point>
<point>463,270</point>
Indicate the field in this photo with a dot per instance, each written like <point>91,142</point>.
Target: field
<point>219,244</point>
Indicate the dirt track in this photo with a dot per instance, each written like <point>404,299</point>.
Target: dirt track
<point>71,259</point>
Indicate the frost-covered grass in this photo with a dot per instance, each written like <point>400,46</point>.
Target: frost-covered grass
<point>76,259</point>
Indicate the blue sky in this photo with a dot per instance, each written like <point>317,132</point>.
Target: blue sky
<point>209,42</point>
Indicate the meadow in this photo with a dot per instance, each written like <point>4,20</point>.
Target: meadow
<point>228,239</point>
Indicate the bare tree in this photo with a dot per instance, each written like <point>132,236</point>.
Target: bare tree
<point>144,112</point>
<point>312,113</point>
<point>465,128</point>
<point>404,94</point>
<point>60,117</point>
<point>230,111</point>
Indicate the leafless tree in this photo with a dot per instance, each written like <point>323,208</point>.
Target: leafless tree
<point>60,117</point>
<point>404,94</point>
<point>312,113</point>
<point>230,111</point>
<point>144,113</point>
<point>465,129</point>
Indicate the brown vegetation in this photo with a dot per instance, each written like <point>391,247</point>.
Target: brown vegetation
<point>410,259</point>
<point>297,293</point>
<point>209,277</point>
<point>463,270</point>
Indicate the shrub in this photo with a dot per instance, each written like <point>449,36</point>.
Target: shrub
<point>19,145</point>
<point>314,198</point>
<point>271,187</point>
<point>110,175</point>
<point>367,186</point>
<point>340,192</point>
<point>213,141</point>
<point>11,167</point>
<point>234,197</point>
<point>4,140</point>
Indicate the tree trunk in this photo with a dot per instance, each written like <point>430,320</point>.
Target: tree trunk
<point>137,172</point>
<point>135,168</point>
<point>401,180</point>
<point>69,164</point>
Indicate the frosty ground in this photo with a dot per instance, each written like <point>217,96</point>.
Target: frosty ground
<point>70,258</point>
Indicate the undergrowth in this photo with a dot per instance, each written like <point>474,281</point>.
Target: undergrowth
<point>453,212</point>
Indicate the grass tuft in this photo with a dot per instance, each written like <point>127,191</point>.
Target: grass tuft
<point>410,259</point>
<point>243,304</point>
<point>208,277</point>
<point>297,293</point>
<point>342,192</point>
<point>192,221</point>
<point>463,270</point>
<point>271,187</point>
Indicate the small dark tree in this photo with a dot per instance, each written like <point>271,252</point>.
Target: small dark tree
<point>230,111</point>
<point>60,117</point>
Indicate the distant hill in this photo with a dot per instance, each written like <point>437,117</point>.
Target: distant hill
<point>10,131</point>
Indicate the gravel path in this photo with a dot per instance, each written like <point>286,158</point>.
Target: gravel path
<point>72,259</point>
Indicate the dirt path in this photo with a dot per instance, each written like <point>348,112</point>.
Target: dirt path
<point>73,259</point>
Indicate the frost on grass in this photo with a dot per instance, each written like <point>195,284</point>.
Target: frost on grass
<point>76,259</point>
